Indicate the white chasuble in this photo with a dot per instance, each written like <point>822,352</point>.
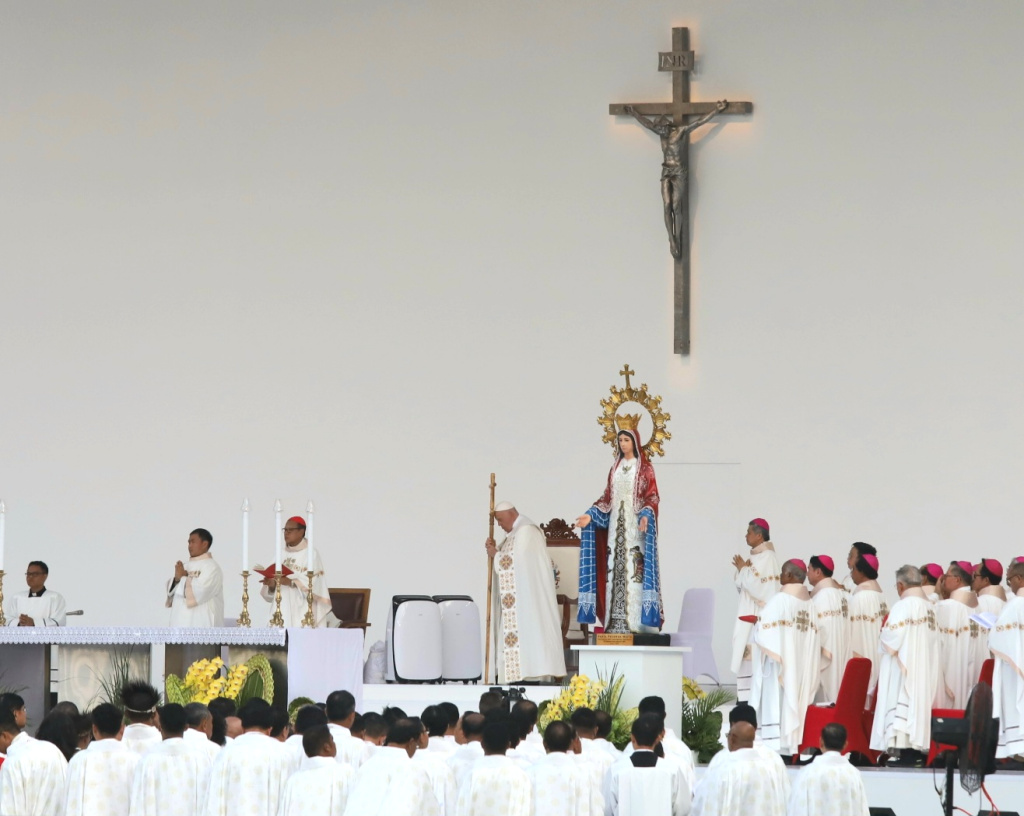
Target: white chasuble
<point>770,758</point>
<point>319,789</point>
<point>829,786</point>
<point>867,610</point>
<point>100,780</point>
<point>992,600</point>
<point>787,667</point>
<point>32,778</point>
<point>561,787</point>
<point>197,600</point>
<point>831,603</point>
<point>391,784</point>
<point>1007,643</point>
<point>294,602</point>
<point>495,786</point>
<point>755,584</point>
<point>139,737</point>
<point>963,647</point>
<point>352,751</point>
<point>908,675</point>
<point>248,777</point>
<point>740,784</point>
<point>442,779</point>
<point>199,741</point>
<point>46,609</point>
<point>529,629</point>
<point>172,780</point>
<point>462,760</point>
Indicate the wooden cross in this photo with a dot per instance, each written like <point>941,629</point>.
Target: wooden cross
<point>671,121</point>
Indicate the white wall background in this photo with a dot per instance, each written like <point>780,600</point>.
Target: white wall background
<point>369,252</point>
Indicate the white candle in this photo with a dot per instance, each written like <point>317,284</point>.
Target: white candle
<point>3,524</point>
<point>310,561</point>
<point>278,535</point>
<point>245,534</point>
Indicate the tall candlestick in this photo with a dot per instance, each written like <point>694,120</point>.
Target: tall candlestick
<point>278,536</point>
<point>310,561</point>
<point>3,525</point>
<point>245,535</point>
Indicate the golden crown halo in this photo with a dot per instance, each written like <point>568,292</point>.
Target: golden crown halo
<point>613,422</point>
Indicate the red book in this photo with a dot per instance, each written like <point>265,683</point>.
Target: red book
<point>269,571</point>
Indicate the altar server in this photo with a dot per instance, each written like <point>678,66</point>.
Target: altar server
<point>757,580</point>
<point>908,673</point>
<point>561,787</point>
<point>250,772</point>
<point>963,644</point>
<point>33,776</point>
<point>1007,643</point>
<point>867,610</point>
<point>321,787</point>
<point>38,605</point>
<point>172,777</point>
<point>642,783</point>
<point>390,783</point>
<point>832,607</point>
<point>528,633</point>
<point>786,660</point>
<point>741,783</point>
<point>830,784</point>
<point>139,699</point>
<point>988,574</point>
<point>294,588</point>
<point>495,786</point>
<point>100,777</point>
<point>195,595</point>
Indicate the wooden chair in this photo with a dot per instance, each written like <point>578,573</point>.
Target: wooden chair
<point>350,606</point>
<point>564,552</point>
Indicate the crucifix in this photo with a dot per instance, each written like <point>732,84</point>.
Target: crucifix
<point>671,121</point>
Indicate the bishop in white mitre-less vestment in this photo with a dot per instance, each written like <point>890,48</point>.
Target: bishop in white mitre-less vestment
<point>831,602</point>
<point>867,611</point>
<point>294,603</point>
<point>786,661</point>
<point>391,784</point>
<point>829,786</point>
<point>987,576</point>
<point>963,647</point>
<point>319,788</point>
<point>1007,643</point>
<point>908,672</point>
<point>32,778</point>
<point>197,600</point>
<point>529,624</point>
<point>495,786</point>
<point>248,777</point>
<point>756,583</point>
<point>100,779</point>
<point>742,783</point>
<point>172,779</point>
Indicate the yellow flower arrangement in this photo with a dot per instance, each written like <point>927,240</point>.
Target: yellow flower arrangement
<point>692,690</point>
<point>204,681</point>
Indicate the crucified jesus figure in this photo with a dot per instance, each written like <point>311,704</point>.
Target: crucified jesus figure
<point>673,168</point>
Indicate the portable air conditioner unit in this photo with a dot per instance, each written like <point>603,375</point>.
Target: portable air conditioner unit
<point>414,642</point>
<point>460,633</point>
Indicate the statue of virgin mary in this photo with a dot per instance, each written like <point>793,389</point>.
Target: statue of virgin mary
<point>620,580</point>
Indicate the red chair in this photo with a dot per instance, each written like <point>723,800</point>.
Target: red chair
<point>987,669</point>
<point>848,711</point>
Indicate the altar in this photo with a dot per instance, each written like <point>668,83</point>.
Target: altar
<point>306,662</point>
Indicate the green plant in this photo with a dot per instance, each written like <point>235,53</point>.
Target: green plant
<point>702,723</point>
<point>118,676</point>
<point>295,705</point>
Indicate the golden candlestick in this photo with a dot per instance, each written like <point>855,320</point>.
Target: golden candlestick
<point>3,620</point>
<point>277,619</point>
<point>309,622</point>
<point>243,618</point>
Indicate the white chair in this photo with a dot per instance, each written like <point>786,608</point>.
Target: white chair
<point>696,627</point>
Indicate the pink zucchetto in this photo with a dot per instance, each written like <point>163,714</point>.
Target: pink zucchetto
<point>966,566</point>
<point>760,522</point>
<point>827,562</point>
<point>796,562</point>
<point>993,566</point>
<point>872,561</point>
<point>1019,559</point>
<point>934,570</point>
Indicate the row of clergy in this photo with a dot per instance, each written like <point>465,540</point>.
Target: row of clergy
<point>926,652</point>
<point>194,594</point>
<point>492,764</point>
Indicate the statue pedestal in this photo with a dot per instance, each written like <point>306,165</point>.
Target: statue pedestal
<point>649,670</point>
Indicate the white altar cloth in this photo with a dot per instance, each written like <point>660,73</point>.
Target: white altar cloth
<point>148,636</point>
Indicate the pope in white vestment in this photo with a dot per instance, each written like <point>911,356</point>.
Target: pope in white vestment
<point>1007,643</point>
<point>32,778</point>
<point>829,786</point>
<point>197,599</point>
<point>295,557</point>
<point>172,779</point>
<point>756,584</point>
<point>99,779</point>
<point>963,647</point>
<point>495,786</point>
<point>391,784</point>
<point>867,611</point>
<point>248,777</point>
<point>908,672</point>
<point>529,625</point>
<point>831,602</point>
<point>320,788</point>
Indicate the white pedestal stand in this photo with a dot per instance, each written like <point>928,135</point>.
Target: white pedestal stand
<point>649,670</point>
